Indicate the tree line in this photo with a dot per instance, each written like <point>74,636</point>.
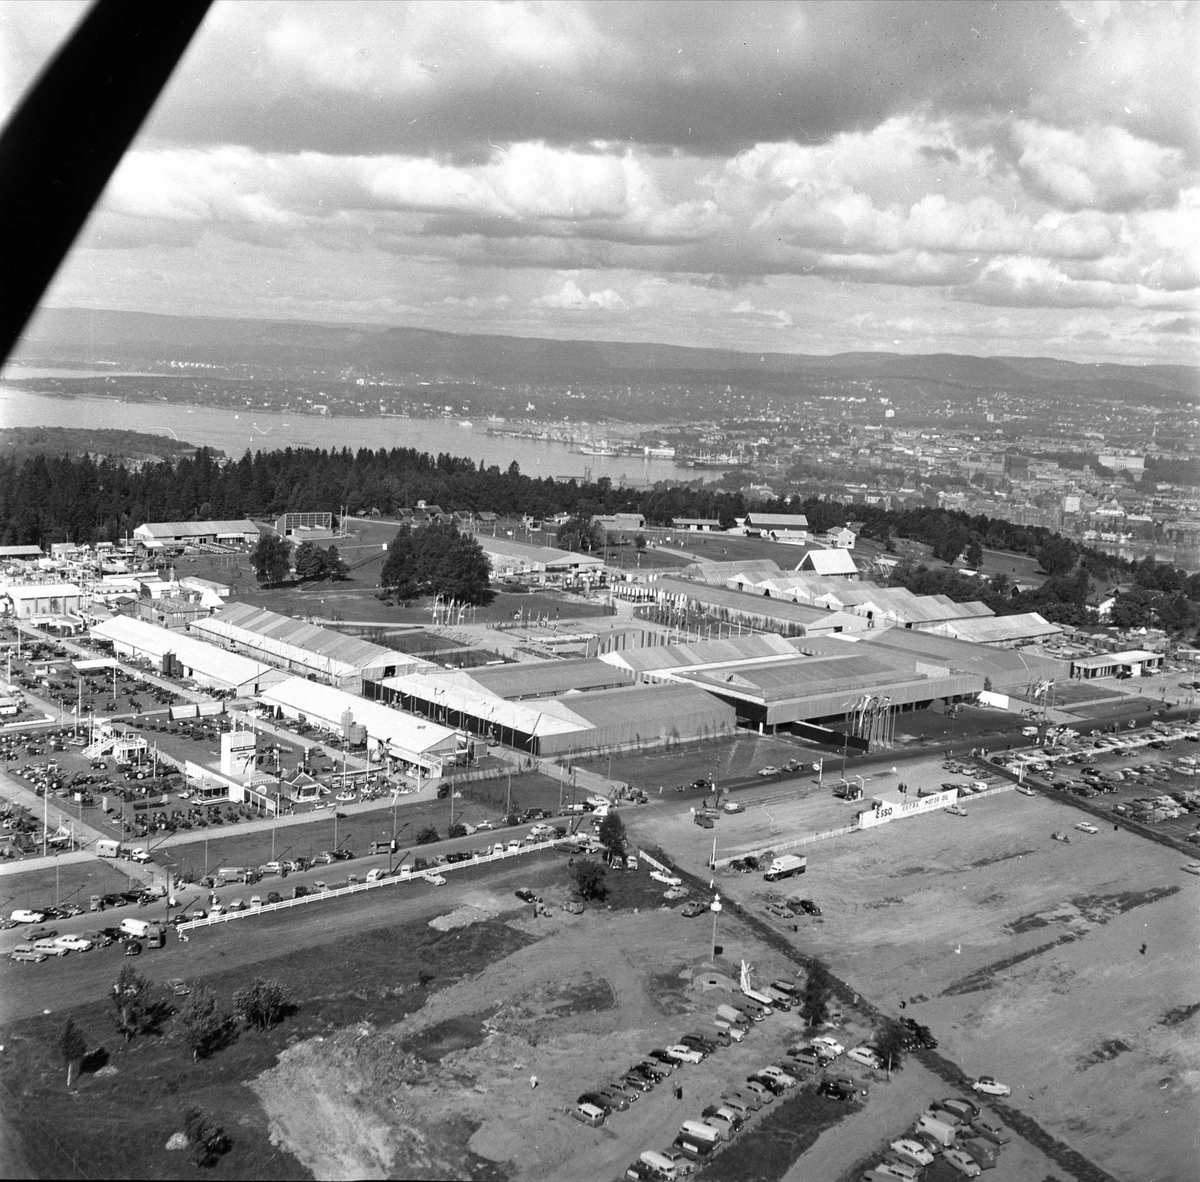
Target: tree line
<point>47,499</point>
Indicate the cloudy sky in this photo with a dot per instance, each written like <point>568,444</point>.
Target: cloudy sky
<point>969,177</point>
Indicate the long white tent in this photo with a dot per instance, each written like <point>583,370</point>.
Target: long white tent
<point>413,741</point>
<point>211,667</point>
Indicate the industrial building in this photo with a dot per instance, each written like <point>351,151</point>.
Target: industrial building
<point>542,679</point>
<point>1005,669</point>
<point>302,648</point>
<point>779,527</point>
<point>175,535</point>
<point>417,747</point>
<point>1007,631</point>
<point>660,662</point>
<point>208,666</point>
<point>829,685</point>
<point>508,558</point>
<point>603,719</point>
<point>1132,663</point>
<point>43,602</point>
<point>754,611</point>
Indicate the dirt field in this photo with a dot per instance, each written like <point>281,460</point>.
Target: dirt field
<point>1023,954</point>
<point>369,1102</point>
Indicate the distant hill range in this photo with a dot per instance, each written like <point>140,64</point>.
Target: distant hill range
<point>74,335</point>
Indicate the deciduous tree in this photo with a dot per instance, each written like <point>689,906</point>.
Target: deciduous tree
<point>271,559</point>
<point>131,996</point>
<point>204,1028</point>
<point>262,1003</point>
<point>612,835</point>
<point>589,878</point>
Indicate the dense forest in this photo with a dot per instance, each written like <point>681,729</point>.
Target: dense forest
<point>46,499</point>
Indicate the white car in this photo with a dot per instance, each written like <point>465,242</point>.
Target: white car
<point>28,916</point>
<point>732,806</point>
<point>913,1150</point>
<point>777,1073</point>
<point>957,810</point>
<point>829,1043</point>
<point>769,770</point>
<point>864,1056</point>
<point>435,879</point>
<point>990,1087</point>
<point>1087,827</point>
<point>75,943</point>
<point>137,854</point>
<point>669,879</point>
<point>676,892</point>
<point>682,1054</point>
<point>963,1163</point>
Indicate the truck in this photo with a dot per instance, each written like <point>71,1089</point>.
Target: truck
<point>785,866</point>
<point>156,937</point>
<point>733,1016</point>
<point>232,874</point>
<point>106,848</point>
<point>139,928</point>
<point>939,1129</point>
<point>985,1153</point>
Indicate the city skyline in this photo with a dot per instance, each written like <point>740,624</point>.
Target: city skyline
<point>1014,179</point>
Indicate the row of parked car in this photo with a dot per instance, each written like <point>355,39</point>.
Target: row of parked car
<point>718,1123</point>
<point>957,1130</point>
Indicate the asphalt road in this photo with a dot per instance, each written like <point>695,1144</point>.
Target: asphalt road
<point>82,977</point>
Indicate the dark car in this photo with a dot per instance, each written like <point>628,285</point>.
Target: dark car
<point>133,948</point>
<point>769,1082</point>
<point>653,1069</point>
<point>834,1091</point>
<point>343,855</point>
<point>634,1079</point>
<point>698,1043</point>
<point>809,907</point>
<point>527,896</point>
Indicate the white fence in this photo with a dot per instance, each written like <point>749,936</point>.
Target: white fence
<point>358,887</point>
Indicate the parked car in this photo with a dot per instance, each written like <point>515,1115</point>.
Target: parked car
<point>865,1057</point>
<point>809,907</point>
<point>1087,827</point>
<point>677,892</point>
<point>963,1163</point>
<point>991,1087</point>
<point>777,1073</point>
<point>685,1054</point>
<point>912,1151</point>
<point>75,943</point>
<point>691,909</point>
